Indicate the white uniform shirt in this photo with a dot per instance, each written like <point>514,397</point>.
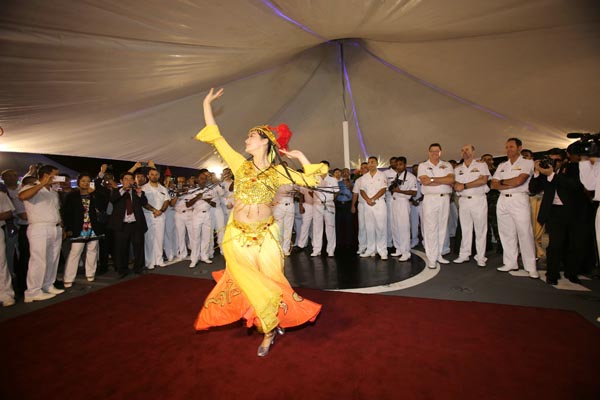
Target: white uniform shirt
<point>202,205</point>
<point>373,184</point>
<point>443,168</point>
<point>409,182</point>
<point>180,206</point>
<point>464,174</point>
<point>227,195</point>
<point>218,193</point>
<point>18,204</point>
<point>43,207</point>
<point>506,170</point>
<point>5,205</point>
<point>590,176</point>
<point>330,186</point>
<point>308,197</point>
<point>356,189</point>
<point>285,194</point>
<point>156,196</point>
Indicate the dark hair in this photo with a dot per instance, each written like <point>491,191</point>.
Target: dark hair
<point>28,179</point>
<point>557,152</point>
<point>516,140</point>
<point>402,159</point>
<point>487,154</point>
<point>46,170</point>
<point>325,162</point>
<point>435,145</point>
<point>201,171</point>
<point>363,163</point>
<point>336,169</point>
<point>81,175</point>
<point>393,158</point>
<point>124,174</point>
<point>151,169</point>
<point>374,158</point>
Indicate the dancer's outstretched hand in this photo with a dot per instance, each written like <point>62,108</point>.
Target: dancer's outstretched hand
<point>212,95</point>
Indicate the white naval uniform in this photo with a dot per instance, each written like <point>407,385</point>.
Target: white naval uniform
<point>390,175</point>
<point>184,222</point>
<point>307,217</point>
<point>514,216</point>
<point>416,215</point>
<point>12,241</point>
<point>170,244</point>
<point>45,238</point>
<point>360,209</point>
<point>227,199</point>
<point>400,214</point>
<point>7,293</point>
<point>473,209</point>
<point>436,207</point>
<point>283,212</point>
<point>324,213</point>
<point>202,227</point>
<point>217,218</point>
<point>376,215</point>
<point>590,178</point>
<point>155,235</point>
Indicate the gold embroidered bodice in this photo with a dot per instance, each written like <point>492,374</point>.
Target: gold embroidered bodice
<point>253,186</point>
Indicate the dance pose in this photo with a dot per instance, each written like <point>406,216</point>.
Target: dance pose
<point>253,286</point>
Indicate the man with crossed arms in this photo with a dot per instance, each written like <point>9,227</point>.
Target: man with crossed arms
<point>471,186</point>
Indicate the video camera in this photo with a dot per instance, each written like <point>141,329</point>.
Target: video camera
<point>587,145</point>
<point>396,183</point>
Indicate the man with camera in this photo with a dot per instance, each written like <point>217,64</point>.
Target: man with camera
<point>514,210</point>
<point>562,211</point>
<point>44,233</point>
<point>471,187</point>
<point>200,205</point>
<point>402,188</point>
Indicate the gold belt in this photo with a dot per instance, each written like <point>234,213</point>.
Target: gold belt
<point>253,233</point>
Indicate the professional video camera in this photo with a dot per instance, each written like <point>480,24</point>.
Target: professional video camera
<point>587,145</point>
<point>396,183</point>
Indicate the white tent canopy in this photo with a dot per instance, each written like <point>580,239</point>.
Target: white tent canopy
<point>125,79</point>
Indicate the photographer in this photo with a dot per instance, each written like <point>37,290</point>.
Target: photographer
<point>402,188</point>
<point>562,211</point>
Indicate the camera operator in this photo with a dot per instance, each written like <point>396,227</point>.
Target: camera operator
<point>403,187</point>
<point>562,211</point>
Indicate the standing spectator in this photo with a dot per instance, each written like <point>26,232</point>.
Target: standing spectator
<point>358,208</point>
<point>228,186</point>
<point>403,187</point>
<point>471,186</point>
<point>514,210</point>
<point>437,178</point>
<point>170,241</point>
<point>14,224</point>
<point>217,216</point>
<point>104,184</point>
<point>305,207</point>
<point>7,294</point>
<point>324,213</point>
<point>183,218</point>
<point>390,175</point>
<point>589,174</point>
<point>44,234</point>
<point>158,202</point>
<point>416,212</point>
<point>492,200</point>
<point>535,200</point>
<point>283,212</point>
<point>344,225</point>
<point>372,189</point>
<point>80,219</point>
<point>202,234</point>
<point>128,225</point>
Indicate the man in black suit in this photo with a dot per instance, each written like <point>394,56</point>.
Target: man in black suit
<point>128,224</point>
<point>562,211</point>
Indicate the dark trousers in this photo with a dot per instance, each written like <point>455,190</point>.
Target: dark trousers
<point>566,244</point>
<point>344,224</point>
<point>106,247</point>
<point>131,234</point>
<point>22,265</point>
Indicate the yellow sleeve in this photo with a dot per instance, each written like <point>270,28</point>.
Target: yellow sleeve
<point>307,178</point>
<point>210,134</point>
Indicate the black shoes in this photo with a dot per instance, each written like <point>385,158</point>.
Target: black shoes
<point>551,281</point>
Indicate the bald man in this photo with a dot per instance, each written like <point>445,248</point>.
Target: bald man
<point>470,184</point>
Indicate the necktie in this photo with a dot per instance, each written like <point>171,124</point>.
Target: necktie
<point>128,206</point>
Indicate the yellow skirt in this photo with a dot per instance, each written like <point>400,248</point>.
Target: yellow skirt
<point>253,285</point>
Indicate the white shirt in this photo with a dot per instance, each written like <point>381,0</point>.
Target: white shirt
<point>356,189</point>
<point>43,207</point>
<point>464,174</point>
<point>285,194</point>
<point>202,205</point>
<point>409,182</point>
<point>5,205</point>
<point>330,186</point>
<point>443,168</point>
<point>18,204</point>
<point>227,195</point>
<point>156,196</point>
<point>590,176</point>
<point>507,170</point>
<point>308,196</point>
<point>371,184</point>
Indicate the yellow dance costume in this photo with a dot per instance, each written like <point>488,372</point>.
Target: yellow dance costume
<point>253,286</point>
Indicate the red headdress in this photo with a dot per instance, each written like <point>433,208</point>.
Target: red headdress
<point>283,135</point>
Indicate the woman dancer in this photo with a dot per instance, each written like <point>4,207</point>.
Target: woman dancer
<point>253,285</point>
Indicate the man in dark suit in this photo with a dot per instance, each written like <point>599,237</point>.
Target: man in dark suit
<point>128,224</point>
<point>562,211</point>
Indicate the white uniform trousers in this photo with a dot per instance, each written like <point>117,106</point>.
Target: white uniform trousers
<point>415,216</point>
<point>323,215</point>
<point>597,226</point>
<point>306,225</point>
<point>473,217</point>
<point>201,236</point>
<point>170,243</point>
<point>297,223</point>
<point>217,218</point>
<point>283,213</point>
<point>400,219</point>
<point>435,224</point>
<point>389,231</point>
<point>91,260</point>
<point>376,228</point>
<point>12,248</point>
<point>154,239</point>
<point>44,248</point>
<point>362,229</point>
<point>6,290</point>
<point>183,222</point>
<point>514,227</point>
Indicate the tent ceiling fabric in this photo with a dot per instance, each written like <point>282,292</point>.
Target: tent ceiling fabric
<point>126,79</point>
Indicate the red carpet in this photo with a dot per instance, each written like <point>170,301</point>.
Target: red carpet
<point>135,340</point>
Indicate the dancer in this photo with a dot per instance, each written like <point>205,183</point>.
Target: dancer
<point>253,285</point>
